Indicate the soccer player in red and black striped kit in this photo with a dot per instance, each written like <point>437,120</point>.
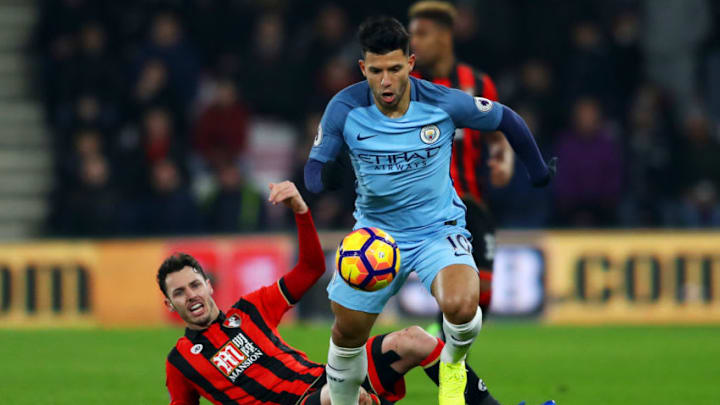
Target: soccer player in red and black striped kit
<point>431,40</point>
<point>238,356</point>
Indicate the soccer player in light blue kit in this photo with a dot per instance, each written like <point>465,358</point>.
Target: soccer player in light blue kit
<point>398,132</point>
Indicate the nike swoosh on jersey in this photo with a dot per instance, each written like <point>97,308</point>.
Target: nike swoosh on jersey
<point>362,138</point>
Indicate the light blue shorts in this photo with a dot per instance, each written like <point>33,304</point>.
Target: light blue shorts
<point>426,256</point>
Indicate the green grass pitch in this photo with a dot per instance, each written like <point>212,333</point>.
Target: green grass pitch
<point>519,361</point>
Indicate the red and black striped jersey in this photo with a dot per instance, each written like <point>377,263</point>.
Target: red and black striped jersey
<point>468,146</point>
<point>241,358</point>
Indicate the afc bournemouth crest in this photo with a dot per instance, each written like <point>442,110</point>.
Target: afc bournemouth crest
<point>430,134</point>
<point>233,321</point>
<point>483,104</point>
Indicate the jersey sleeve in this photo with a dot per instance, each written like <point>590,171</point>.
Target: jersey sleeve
<point>472,112</point>
<point>180,389</point>
<point>329,139</point>
<point>274,300</point>
<point>271,301</point>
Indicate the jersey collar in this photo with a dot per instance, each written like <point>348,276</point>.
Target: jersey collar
<point>194,333</point>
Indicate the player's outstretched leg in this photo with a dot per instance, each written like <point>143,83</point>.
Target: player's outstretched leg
<point>456,290</point>
<point>347,361</point>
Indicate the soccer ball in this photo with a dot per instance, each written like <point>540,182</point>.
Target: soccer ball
<point>368,259</point>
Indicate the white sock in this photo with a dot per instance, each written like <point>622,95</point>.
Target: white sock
<point>346,369</point>
<point>458,338</point>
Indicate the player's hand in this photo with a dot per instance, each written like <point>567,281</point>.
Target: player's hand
<point>366,398</point>
<point>552,171</point>
<point>285,192</point>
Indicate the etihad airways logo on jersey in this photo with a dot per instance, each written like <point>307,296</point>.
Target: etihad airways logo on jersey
<point>400,161</point>
<point>236,356</point>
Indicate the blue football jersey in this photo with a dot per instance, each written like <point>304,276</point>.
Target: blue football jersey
<point>402,165</point>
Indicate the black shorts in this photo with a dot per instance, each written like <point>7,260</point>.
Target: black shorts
<point>481,226</point>
<point>382,380</point>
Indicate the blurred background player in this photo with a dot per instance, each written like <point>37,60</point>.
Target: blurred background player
<point>431,40</point>
<point>238,356</point>
<point>399,132</point>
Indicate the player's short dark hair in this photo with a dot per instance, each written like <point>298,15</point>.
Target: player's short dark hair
<point>383,35</point>
<point>441,12</point>
<point>177,262</point>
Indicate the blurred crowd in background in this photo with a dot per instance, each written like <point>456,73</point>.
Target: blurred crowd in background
<point>161,111</point>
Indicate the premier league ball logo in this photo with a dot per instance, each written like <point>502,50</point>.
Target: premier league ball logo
<point>483,104</point>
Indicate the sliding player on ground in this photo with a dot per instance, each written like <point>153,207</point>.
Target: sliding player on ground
<point>238,356</point>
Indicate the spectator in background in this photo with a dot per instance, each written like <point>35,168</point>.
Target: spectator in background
<point>93,206</point>
<point>167,44</point>
<point>86,143</point>
<point>56,38</point>
<point>700,175</point>
<point>589,187</point>
<point>650,182</point>
<point>333,76</point>
<point>332,36</point>
<point>537,92</point>
<point>153,89</point>
<point>159,139</point>
<point>221,131</point>
<point>86,111</point>
<point>465,34</point>
<point>93,68</point>
<point>588,68</point>
<point>627,59</point>
<point>269,76</point>
<point>327,55</point>
<point>673,33</point>
<point>169,208</point>
<point>236,206</point>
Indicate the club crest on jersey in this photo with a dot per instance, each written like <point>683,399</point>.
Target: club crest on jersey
<point>430,134</point>
<point>233,321</point>
<point>318,137</point>
<point>196,349</point>
<point>483,104</point>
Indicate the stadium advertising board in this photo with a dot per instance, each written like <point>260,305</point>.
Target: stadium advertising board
<point>46,283</point>
<point>563,277</point>
<point>113,283</point>
<point>657,277</point>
